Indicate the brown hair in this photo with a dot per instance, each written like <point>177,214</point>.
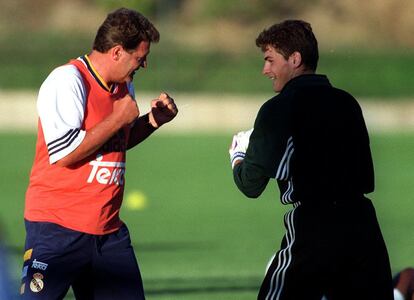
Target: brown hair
<point>290,36</point>
<point>124,27</point>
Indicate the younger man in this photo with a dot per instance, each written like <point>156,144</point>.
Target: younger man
<point>312,139</point>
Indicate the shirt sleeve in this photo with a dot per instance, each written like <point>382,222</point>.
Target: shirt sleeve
<point>267,150</point>
<point>61,106</point>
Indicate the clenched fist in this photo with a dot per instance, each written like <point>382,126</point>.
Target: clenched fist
<point>163,110</point>
<point>126,110</point>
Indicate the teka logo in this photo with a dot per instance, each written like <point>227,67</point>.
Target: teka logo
<point>107,172</point>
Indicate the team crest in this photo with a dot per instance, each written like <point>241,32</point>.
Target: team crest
<point>36,284</point>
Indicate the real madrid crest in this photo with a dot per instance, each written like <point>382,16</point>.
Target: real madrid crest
<point>36,284</point>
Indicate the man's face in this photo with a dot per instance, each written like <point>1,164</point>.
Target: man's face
<point>130,62</point>
<point>277,68</point>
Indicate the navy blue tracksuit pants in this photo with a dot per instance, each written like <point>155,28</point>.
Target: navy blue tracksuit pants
<point>95,266</point>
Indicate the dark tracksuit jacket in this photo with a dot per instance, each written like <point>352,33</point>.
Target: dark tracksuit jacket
<point>312,139</point>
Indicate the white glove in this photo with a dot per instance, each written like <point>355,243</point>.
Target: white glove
<point>239,146</point>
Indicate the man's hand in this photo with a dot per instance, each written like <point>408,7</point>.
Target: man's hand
<point>125,110</point>
<point>239,146</point>
<point>163,110</point>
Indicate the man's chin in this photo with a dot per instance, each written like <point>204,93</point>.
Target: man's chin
<point>278,86</point>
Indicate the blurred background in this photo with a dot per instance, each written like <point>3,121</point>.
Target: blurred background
<point>194,234</point>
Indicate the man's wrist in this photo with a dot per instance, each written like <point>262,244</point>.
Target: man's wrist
<point>236,158</point>
<point>147,122</point>
<point>152,120</point>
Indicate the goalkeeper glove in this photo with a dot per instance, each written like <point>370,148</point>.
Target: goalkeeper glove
<point>239,146</point>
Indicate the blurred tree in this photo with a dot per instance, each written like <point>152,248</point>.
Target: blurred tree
<point>379,23</point>
<point>149,8</point>
<point>249,10</point>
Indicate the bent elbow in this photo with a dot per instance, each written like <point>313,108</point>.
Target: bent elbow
<point>252,190</point>
<point>252,194</point>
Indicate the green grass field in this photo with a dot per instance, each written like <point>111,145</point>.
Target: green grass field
<point>198,237</point>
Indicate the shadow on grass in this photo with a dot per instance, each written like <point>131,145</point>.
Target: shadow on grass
<point>201,285</point>
<point>202,290</point>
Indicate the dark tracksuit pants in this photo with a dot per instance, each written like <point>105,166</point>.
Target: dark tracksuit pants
<point>95,266</point>
<point>336,250</point>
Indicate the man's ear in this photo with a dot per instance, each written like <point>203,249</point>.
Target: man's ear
<point>116,52</point>
<point>296,59</point>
